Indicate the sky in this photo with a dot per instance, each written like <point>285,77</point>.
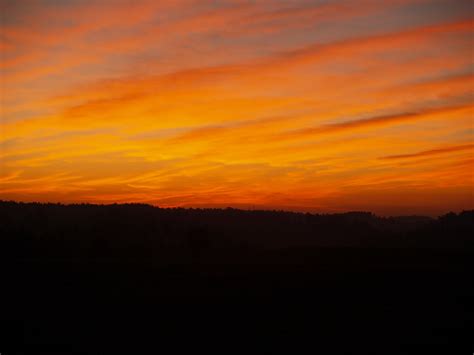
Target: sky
<point>318,106</point>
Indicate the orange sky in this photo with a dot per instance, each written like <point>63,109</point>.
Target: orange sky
<point>319,106</point>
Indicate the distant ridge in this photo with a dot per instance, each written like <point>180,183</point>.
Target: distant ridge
<point>353,213</point>
<point>114,226</point>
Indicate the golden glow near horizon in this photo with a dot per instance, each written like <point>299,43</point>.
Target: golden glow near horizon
<point>317,106</point>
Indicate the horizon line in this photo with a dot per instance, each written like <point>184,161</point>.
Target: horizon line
<point>67,204</point>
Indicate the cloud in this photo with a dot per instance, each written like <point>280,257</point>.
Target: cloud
<point>431,152</point>
<point>375,121</point>
<point>241,102</point>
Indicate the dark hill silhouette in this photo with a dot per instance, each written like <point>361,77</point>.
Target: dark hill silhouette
<point>87,278</point>
<point>109,228</point>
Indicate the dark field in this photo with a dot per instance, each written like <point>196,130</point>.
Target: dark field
<point>136,279</point>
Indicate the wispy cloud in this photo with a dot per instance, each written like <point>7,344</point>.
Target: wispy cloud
<point>431,152</point>
<point>308,104</point>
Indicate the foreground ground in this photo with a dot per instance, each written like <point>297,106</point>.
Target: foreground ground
<point>231,298</point>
